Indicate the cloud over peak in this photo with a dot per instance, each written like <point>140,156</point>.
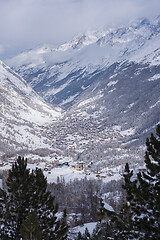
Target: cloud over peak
<point>28,23</point>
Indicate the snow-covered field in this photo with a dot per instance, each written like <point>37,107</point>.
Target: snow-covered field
<point>66,172</point>
<point>90,226</point>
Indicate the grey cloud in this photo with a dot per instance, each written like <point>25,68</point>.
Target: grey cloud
<point>28,23</point>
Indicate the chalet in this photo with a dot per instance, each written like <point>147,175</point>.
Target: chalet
<point>80,165</point>
<point>73,166</point>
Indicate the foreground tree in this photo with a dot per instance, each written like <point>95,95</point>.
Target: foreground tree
<point>27,196</point>
<point>139,217</point>
<point>30,228</point>
<point>143,193</point>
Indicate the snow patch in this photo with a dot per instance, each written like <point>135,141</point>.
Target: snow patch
<point>127,132</point>
<point>155,77</point>
<point>155,104</point>
<point>112,83</point>
<point>87,101</point>
<point>90,226</point>
<point>70,99</point>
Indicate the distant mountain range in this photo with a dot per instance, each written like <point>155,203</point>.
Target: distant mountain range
<point>60,75</point>
<point>111,76</point>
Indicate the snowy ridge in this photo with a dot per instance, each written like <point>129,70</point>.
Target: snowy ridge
<point>108,79</point>
<point>60,75</point>
<point>123,41</point>
<point>23,114</point>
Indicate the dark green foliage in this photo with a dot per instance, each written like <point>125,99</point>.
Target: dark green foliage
<point>18,184</point>
<point>139,218</point>
<point>85,236</point>
<point>103,231</point>
<point>79,237</point>
<point>30,228</point>
<point>28,197</point>
<point>102,211</point>
<point>61,228</point>
<point>143,195</point>
<point>5,226</point>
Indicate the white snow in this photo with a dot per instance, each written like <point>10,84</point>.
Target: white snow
<point>0,183</point>
<point>95,50</point>
<point>108,207</point>
<point>70,99</point>
<point>112,83</point>
<point>23,113</point>
<point>127,132</point>
<point>155,77</point>
<point>68,173</point>
<point>36,109</point>
<point>112,90</point>
<point>131,105</point>
<point>89,100</point>
<point>114,75</point>
<point>154,105</point>
<point>90,226</point>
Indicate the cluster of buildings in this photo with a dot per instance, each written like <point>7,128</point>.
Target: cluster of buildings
<point>83,144</point>
<point>84,139</point>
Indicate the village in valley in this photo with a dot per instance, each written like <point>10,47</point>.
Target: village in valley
<point>87,140</point>
<point>80,147</point>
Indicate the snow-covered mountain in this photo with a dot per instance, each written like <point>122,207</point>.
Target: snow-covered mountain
<point>60,75</point>
<point>107,79</point>
<point>23,115</point>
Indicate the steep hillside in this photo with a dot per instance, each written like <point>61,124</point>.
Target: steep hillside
<point>108,83</point>
<point>126,95</point>
<point>23,115</point>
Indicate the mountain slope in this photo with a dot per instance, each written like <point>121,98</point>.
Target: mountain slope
<point>108,125</point>
<point>108,83</point>
<point>125,95</point>
<point>60,75</point>
<point>23,114</point>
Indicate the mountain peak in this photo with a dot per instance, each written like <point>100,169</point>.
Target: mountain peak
<point>51,70</point>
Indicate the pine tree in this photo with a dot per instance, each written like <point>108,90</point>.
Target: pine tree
<point>30,228</point>
<point>104,229</point>
<point>102,211</point>
<point>148,208</point>
<point>27,194</point>
<point>123,221</point>
<point>18,184</point>
<point>139,218</point>
<point>79,237</point>
<point>142,218</point>
<point>5,228</point>
<point>87,234</point>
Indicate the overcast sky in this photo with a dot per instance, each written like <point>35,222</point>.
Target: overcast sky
<point>25,24</point>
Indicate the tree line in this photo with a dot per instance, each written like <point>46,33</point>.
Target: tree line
<point>81,197</point>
